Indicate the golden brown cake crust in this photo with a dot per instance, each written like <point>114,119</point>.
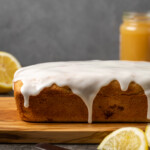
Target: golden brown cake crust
<point>59,104</point>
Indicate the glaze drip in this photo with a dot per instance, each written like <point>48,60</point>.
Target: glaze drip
<point>85,78</point>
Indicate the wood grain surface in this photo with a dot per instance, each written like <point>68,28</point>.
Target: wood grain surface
<point>13,130</point>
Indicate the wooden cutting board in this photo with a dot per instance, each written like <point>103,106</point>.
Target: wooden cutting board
<point>13,130</point>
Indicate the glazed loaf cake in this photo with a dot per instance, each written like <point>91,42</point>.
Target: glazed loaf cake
<point>86,91</point>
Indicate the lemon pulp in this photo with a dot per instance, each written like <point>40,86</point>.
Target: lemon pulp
<point>8,66</point>
<point>129,138</point>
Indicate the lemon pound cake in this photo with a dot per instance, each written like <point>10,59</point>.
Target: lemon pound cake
<point>84,91</point>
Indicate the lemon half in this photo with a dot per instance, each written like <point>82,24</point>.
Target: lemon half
<point>8,66</point>
<point>147,133</point>
<point>129,138</point>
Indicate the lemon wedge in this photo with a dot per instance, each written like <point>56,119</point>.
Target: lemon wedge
<point>129,138</point>
<point>8,65</point>
<point>147,133</point>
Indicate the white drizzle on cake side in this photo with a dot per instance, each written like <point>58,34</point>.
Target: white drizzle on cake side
<point>85,78</point>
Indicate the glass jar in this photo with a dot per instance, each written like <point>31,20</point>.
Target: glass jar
<point>135,37</point>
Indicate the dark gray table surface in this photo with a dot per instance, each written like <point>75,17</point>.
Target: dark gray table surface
<point>32,146</point>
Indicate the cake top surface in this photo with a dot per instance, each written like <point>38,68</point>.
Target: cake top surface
<point>85,78</point>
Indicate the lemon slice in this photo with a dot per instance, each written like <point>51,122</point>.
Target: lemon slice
<point>147,133</point>
<point>129,138</point>
<point>8,65</point>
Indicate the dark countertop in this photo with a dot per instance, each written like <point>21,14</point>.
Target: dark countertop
<point>32,146</point>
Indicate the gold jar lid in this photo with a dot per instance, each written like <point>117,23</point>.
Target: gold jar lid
<point>136,16</point>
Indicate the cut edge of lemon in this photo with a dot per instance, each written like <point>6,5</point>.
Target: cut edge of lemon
<point>5,87</point>
<point>2,53</point>
<point>137,131</point>
<point>147,133</point>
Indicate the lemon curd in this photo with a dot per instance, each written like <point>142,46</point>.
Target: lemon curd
<point>135,37</point>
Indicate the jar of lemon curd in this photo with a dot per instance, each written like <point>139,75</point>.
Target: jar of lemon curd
<point>135,37</point>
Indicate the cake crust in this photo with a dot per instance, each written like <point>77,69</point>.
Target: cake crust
<point>60,104</point>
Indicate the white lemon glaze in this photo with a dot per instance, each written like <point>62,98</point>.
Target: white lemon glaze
<point>85,78</point>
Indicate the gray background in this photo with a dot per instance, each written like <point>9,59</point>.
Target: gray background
<point>56,30</point>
